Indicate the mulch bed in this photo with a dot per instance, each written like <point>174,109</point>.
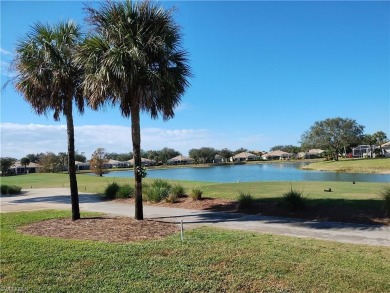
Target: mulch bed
<point>107,229</point>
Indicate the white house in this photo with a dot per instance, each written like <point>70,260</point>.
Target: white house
<point>178,160</point>
<point>244,156</point>
<point>219,159</point>
<point>362,151</point>
<point>144,161</point>
<point>18,168</point>
<point>117,164</point>
<point>276,155</point>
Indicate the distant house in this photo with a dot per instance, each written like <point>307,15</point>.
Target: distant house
<point>82,165</point>
<point>218,159</point>
<point>178,160</point>
<point>277,155</point>
<point>244,156</point>
<point>144,161</point>
<point>18,168</point>
<point>386,149</point>
<point>311,154</point>
<point>116,164</point>
<point>361,151</point>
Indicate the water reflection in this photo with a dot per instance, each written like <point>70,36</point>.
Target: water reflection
<point>252,173</point>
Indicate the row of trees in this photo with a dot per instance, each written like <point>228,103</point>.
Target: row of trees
<point>132,57</point>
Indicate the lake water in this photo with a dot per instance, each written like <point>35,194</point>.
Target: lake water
<point>252,173</point>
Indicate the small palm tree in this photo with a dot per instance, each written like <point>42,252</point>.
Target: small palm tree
<point>25,162</point>
<point>134,59</point>
<point>49,80</point>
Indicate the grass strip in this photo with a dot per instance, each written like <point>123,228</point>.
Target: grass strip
<point>209,260</point>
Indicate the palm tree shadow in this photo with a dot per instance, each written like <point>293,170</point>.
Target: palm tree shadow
<point>367,211</point>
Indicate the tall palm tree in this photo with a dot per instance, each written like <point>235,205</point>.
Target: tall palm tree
<point>134,59</point>
<point>49,80</point>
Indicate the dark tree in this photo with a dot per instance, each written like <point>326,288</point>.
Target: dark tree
<point>5,165</point>
<point>332,135</point>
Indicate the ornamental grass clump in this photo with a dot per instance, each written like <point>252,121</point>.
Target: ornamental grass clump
<point>111,190</point>
<point>178,190</point>
<point>125,191</point>
<point>294,200</point>
<point>245,201</point>
<point>158,190</point>
<point>196,193</point>
<point>385,195</point>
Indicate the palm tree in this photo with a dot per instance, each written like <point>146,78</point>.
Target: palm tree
<point>25,162</point>
<point>49,80</point>
<point>134,59</point>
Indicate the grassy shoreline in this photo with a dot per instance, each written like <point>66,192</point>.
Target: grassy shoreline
<point>371,166</point>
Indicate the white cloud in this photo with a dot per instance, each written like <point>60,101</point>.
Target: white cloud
<point>4,52</point>
<point>18,140</point>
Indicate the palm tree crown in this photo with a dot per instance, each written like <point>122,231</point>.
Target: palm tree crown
<point>134,59</point>
<point>47,76</point>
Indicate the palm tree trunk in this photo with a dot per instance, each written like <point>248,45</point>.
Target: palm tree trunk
<point>74,195</point>
<point>136,138</point>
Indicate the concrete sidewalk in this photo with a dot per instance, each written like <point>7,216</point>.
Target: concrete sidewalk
<point>59,198</point>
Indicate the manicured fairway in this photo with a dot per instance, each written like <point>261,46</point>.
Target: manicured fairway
<point>314,190</point>
<point>209,260</point>
<point>379,165</point>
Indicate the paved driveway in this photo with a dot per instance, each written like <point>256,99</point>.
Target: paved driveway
<point>59,198</point>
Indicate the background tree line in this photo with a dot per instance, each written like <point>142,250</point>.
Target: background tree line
<point>334,135</point>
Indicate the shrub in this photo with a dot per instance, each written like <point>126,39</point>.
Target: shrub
<point>4,189</point>
<point>158,190</point>
<point>385,195</point>
<point>178,190</point>
<point>125,191</point>
<point>294,200</point>
<point>10,189</point>
<point>245,201</point>
<point>111,190</point>
<point>196,193</point>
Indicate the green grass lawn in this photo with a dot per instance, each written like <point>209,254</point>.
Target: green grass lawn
<point>313,189</point>
<point>209,260</point>
<point>379,165</point>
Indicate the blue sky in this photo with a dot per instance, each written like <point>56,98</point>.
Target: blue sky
<point>264,72</point>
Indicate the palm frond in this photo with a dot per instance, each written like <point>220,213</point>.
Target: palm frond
<point>47,76</point>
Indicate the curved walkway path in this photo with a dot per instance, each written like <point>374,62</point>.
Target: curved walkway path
<point>58,198</point>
